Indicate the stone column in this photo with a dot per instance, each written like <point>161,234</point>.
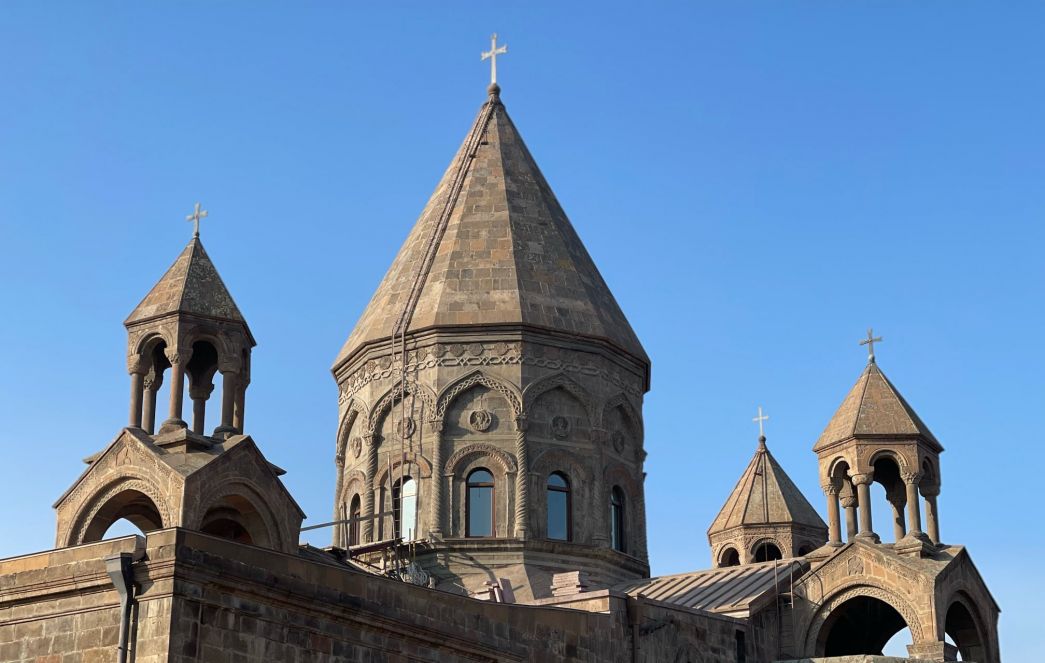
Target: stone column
<point>896,500</point>
<point>241,402</point>
<point>178,360</point>
<point>522,481</point>
<point>435,529</point>
<point>229,387</point>
<point>914,516</point>
<point>849,504</point>
<point>137,393</point>
<point>199,395</point>
<point>367,529</point>
<point>932,517</point>
<point>152,384</point>
<point>600,511</point>
<point>834,522</point>
<point>863,496</point>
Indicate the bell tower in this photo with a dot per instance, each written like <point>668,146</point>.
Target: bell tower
<point>188,323</point>
<point>876,436</point>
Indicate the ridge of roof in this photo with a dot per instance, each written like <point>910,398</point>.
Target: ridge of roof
<point>190,285</point>
<point>493,246</point>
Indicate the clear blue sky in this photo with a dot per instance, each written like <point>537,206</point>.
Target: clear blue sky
<point>758,182</point>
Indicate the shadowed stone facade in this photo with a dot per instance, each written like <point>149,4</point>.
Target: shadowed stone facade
<point>491,435</point>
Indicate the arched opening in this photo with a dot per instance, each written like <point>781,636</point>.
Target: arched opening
<point>153,404</point>
<point>961,627</point>
<point>860,625</point>
<point>354,511</point>
<point>121,527</point>
<point>847,518</point>
<point>131,505</point>
<point>234,517</point>
<point>404,508</point>
<point>766,551</point>
<point>560,517</point>
<point>201,369</point>
<point>618,529</point>
<point>897,645</point>
<point>888,499</point>
<point>729,557</point>
<point>479,512</point>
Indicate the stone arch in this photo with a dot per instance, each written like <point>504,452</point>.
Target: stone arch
<point>815,641</point>
<point>633,416</point>
<point>503,459</point>
<point>551,460</point>
<point>356,411</point>
<point>395,395</point>
<point>454,389</point>
<point>240,501</point>
<point>764,546</point>
<point>208,334</point>
<point>581,487</point>
<point>616,474</point>
<point>564,382</point>
<point>132,497</point>
<point>413,463</point>
<point>888,452</point>
<point>148,342</point>
<point>728,555</point>
<point>966,626</point>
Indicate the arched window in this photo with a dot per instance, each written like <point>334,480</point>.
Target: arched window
<point>353,525</point>
<point>767,552</point>
<point>560,508</point>
<point>479,512</point>
<point>618,535</point>
<point>729,557</point>
<point>404,508</point>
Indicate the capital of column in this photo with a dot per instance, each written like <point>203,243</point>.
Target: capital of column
<point>436,426</point>
<point>847,501</point>
<point>829,488</point>
<point>911,477</point>
<point>200,391</point>
<point>863,479</point>
<point>137,364</point>
<point>178,357</point>
<point>930,491</point>
<point>521,423</point>
<point>229,365</point>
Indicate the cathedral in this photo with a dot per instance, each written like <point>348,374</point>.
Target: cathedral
<point>489,502</point>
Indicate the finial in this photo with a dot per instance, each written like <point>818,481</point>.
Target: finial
<point>761,429</point>
<point>494,90</point>
<point>491,55</point>
<point>195,217</point>
<point>869,342</point>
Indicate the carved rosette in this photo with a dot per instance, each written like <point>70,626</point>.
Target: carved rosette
<point>480,420</point>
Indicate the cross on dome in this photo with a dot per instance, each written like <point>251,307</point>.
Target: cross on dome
<point>869,342</point>
<point>195,217</point>
<point>760,419</point>
<point>492,54</point>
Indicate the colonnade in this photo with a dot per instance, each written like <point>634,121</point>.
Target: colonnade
<point>858,509</point>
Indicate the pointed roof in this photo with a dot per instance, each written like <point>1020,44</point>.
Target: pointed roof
<point>874,407</point>
<point>493,246</point>
<point>765,495</point>
<point>191,285</point>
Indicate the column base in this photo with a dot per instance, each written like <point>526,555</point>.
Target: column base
<point>224,432</point>
<point>172,425</point>
<point>915,544</point>
<point>868,537</point>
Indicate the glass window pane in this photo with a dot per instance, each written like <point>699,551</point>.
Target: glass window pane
<point>557,515</point>
<point>480,476</point>
<point>408,526</point>
<point>556,481</point>
<point>480,511</point>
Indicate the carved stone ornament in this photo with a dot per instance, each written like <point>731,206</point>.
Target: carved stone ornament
<point>480,420</point>
<point>560,427</point>
<point>405,428</point>
<point>618,441</point>
<point>855,566</point>
<point>357,447</point>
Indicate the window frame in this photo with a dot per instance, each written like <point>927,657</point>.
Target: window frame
<point>568,490</point>
<point>468,485</point>
<point>618,520</point>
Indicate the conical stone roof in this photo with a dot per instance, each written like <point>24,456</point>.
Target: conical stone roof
<point>874,407</point>
<point>191,285</point>
<point>765,495</point>
<point>493,247</point>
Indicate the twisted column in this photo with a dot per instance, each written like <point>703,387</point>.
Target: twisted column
<point>863,496</point>
<point>436,515</point>
<point>522,481</point>
<point>600,528</point>
<point>368,492</point>
<point>834,522</point>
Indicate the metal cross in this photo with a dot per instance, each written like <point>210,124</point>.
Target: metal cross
<point>196,215</point>
<point>492,54</point>
<point>869,342</point>
<point>761,418</point>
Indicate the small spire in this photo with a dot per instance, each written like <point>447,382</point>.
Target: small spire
<point>761,418</point>
<point>491,55</point>
<point>869,342</point>
<point>195,217</point>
